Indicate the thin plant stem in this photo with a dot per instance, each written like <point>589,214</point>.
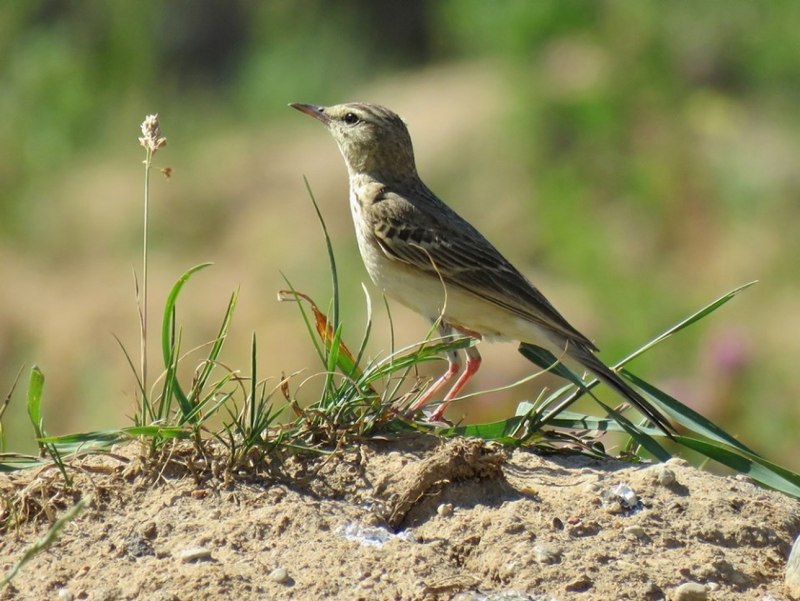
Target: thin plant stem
<point>143,292</point>
<point>152,141</point>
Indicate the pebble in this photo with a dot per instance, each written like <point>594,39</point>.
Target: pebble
<point>792,578</point>
<point>279,575</point>
<point>581,584</point>
<point>690,591</point>
<point>190,554</point>
<point>445,510</point>
<point>138,546</point>
<point>664,475</point>
<point>150,530</point>
<point>547,554</point>
<point>636,532</point>
<point>591,488</point>
<point>64,594</point>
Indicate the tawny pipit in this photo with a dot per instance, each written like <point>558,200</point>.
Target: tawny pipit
<point>420,252</point>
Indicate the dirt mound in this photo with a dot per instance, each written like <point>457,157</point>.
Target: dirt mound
<point>403,518</point>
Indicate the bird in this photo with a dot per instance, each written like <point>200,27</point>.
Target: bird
<point>420,252</point>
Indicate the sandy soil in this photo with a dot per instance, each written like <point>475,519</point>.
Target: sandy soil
<point>409,518</point>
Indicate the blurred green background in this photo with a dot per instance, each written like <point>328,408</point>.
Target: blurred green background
<point>635,158</point>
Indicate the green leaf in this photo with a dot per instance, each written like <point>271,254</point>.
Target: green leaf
<point>686,416</point>
<point>13,462</point>
<point>166,334</point>
<point>684,323</point>
<point>331,257</point>
<point>501,431</point>
<point>43,543</point>
<point>759,469</point>
<point>548,362</point>
<point>637,433</point>
<point>216,349</point>
<point>35,389</point>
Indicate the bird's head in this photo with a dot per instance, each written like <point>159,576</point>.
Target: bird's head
<point>372,139</point>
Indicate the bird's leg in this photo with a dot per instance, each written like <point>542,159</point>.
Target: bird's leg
<point>453,367</point>
<point>473,363</point>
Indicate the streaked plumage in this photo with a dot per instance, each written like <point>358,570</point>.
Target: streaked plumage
<point>422,253</point>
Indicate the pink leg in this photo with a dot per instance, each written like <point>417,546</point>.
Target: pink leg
<point>453,367</point>
<point>473,363</point>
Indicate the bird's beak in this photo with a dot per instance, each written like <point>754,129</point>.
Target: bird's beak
<point>318,112</point>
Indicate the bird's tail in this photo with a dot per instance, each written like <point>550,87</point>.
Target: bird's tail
<point>590,361</point>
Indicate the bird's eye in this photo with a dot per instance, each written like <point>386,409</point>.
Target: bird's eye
<point>351,118</point>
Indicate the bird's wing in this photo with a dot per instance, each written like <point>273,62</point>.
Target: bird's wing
<point>435,240</point>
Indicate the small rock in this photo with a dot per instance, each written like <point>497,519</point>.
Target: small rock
<point>279,575</point>
<point>138,546</point>
<point>664,475</point>
<point>591,488</point>
<point>445,510</point>
<point>652,592</point>
<point>580,584</point>
<point>149,530</point>
<point>469,596</point>
<point>677,462</point>
<point>690,591</point>
<point>547,554</point>
<point>636,532</point>
<point>64,594</point>
<point>792,578</point>
<point>190,554</point>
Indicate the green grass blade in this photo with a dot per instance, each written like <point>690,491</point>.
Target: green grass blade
<point>5,403</point>
<point>549,362</point>
<point>167,343</point>
<point>684,323</point>
<point>216,349</point>
<point>687,416</point>
<point>171,387</point>
<point>295,296</point>
<point>212,402</point>
<point>105,439</point>
<point>429,351</point>
<point>253,385</point>
<point>501,431</point>
<point>35,389</point>
<point>331,258</point>
<point>637,433</point>
<point>365,338</point>
<point>76,439</point>
<point>759,469</point>
<point>43,543</point>
<point>158,432</point>
<point>139,383</point>
<point>14,462</point>
<point>539,356</point>
<point>571,420</point>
